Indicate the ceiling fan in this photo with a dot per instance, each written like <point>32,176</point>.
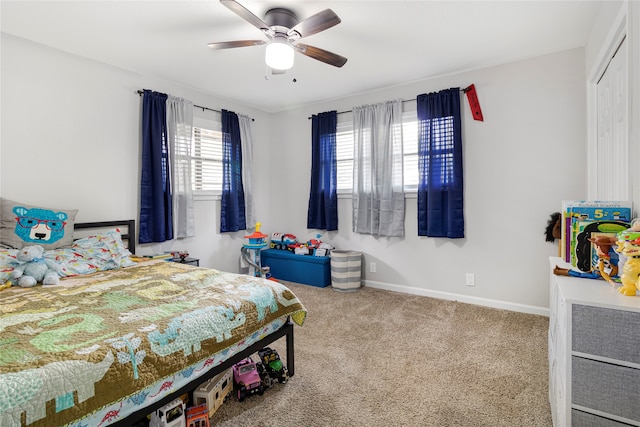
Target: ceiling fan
<point>283,29</point>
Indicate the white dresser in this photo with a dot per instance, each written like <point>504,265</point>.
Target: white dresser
<point>594,353</point>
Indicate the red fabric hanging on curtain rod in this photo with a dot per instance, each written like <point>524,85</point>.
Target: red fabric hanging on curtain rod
<point>472,97</point>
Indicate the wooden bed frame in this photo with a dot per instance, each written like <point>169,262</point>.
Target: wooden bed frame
<point>285,331</point>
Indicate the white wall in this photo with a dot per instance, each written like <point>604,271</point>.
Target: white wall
<point>70,139</point>
<point>520,163</point>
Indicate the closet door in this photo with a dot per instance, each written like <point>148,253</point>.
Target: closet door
<point>613,158</point>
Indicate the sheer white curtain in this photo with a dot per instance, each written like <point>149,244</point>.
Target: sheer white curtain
<point>179,131</point>
<point>246,141</point>
<point>378,194</point>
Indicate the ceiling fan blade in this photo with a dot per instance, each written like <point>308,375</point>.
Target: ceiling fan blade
<point>245,14</point>
<point>236,43</point>
<point>315,23</point>
<point>321,55</point>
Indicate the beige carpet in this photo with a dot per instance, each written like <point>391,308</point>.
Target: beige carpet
<point>379,358</point>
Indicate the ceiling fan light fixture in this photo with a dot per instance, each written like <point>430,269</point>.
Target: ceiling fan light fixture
<point>279,55</point>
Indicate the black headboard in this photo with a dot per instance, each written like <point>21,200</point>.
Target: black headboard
<point>128,235</point>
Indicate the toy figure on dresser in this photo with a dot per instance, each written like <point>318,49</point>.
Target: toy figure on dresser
<point>559,271</point>
<point>629,250</point>
<point>586,255</point>
<point>607,266</point>
<point>607,259</point>
<point>553,232</point>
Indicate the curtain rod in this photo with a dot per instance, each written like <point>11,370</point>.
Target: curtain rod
<point>403,101</point>
<point>140,92</point>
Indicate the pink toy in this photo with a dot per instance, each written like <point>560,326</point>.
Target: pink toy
<point>246,379</point>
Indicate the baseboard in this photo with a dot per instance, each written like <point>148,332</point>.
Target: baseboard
<point>504,305</point>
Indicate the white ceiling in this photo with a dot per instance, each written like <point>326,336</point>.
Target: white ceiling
<point>386,42</point>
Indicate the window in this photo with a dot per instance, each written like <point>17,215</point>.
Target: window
<point>344,153</point>
<point>344,156</point>
<point>206,157</point>
<point>442,150</point>
<point>410,150</point>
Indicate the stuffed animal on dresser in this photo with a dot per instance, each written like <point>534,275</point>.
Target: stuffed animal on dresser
<point>32,268</point>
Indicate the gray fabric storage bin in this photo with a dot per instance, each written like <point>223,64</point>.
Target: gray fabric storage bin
<point>346,269</point>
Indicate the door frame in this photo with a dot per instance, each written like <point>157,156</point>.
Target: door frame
<point>613,40</point>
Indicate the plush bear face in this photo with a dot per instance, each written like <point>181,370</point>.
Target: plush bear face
<point>29,253</point>
<point>36,225</point>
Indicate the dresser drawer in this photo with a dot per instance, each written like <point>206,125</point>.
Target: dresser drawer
<point>605,387</point>
<point>583,419</point>
<point>605,332</point>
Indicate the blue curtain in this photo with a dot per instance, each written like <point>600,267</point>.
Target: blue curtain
<point>323,196</point>
<point>232,208</point>
<point>440,189</point>
<point>156,221</point>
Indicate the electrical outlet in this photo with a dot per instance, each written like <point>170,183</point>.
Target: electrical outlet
<point>372,267</point>
<point>471,279</point>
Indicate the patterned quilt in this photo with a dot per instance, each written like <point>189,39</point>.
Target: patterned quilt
<point>98,347</point>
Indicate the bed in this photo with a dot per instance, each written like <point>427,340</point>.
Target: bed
<point>108,347</point>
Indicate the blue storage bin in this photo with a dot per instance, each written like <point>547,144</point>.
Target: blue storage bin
<point>307,269</point>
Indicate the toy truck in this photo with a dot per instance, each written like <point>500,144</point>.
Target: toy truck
<point>264,376</point>
<point>282,241</point>
<point>246,379</point>
<point>198,416</point>
<point>214,392</point>
<point>273,365</point>
<point>170,415</point>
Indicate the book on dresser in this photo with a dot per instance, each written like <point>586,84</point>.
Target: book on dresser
<point>579,214</point>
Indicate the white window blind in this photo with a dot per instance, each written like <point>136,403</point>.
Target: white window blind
<point>344,156</point>
<point>207,158</point>
<point>410,153</point>
<point>344,153</point>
